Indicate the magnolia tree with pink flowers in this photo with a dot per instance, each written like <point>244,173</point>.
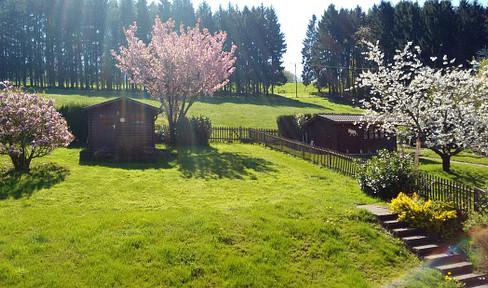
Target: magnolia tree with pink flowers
<point>30,126</point>
<point>176,68</point>
<point>447,107</point>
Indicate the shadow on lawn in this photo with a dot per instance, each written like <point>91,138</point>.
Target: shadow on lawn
<point>15,184</point>
<point>131,165</point>
<point>209,163</point>
<point>137,94</point>
<point>266,100</point>
<point>334,99</point>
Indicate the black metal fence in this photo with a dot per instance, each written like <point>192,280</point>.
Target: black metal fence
<point>236,134</point>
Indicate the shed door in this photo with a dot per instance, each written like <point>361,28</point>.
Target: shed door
<point>107,130</point>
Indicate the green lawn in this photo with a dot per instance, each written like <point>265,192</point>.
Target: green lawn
<point>230,215</point>
<point>467,173</point>
<point>467,156</point>
<point>226,110</point>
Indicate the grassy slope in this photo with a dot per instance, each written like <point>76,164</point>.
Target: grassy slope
<point>233,111</point>
<point>232,215</point>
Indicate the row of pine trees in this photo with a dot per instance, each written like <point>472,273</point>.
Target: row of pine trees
<point>332,52</point>
<point>67,43</point>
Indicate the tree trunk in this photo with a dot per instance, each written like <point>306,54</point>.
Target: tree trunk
<point>20,163</point>
<point>446,163</point>
<point>417,152</point>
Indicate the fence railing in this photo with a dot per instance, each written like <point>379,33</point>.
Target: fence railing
<point>236,134</point>
<point>325,157</point>
<point>465,197</point>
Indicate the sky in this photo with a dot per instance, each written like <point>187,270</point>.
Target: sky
<point>294,16</point>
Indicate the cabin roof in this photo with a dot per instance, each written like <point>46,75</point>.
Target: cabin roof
<point>123,99</point>
<point>337,118</point>
<point>343,118</point>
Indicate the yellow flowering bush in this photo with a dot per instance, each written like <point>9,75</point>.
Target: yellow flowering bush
<point>434,217</point>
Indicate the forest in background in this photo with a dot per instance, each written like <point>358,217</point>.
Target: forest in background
<point>332,53</point>
<point>67,43</point>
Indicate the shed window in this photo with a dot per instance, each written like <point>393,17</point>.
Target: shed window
<point>371,134</point>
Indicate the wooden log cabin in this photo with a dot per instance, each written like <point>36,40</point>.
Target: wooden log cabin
<point>122,125</point>
<point>341,132</point>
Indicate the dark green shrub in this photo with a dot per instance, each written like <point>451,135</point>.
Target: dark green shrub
<point>160,132</point>
<point>477,249</point>
<point>387,174</point>
<point>290,126</point>
<point>76,120</point>
<point>194,131</point>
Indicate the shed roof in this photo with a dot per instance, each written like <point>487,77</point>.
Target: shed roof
<point>343,118</point>
<point>123,99</point>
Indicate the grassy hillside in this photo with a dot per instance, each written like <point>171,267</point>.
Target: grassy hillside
<point>230,215</point>
<point>226,110</point>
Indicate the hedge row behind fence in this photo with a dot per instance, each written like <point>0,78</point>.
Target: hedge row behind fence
<point>465,197</point>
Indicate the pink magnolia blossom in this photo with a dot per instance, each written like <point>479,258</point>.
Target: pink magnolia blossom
<point>176,68</point>
<point>30,126</point>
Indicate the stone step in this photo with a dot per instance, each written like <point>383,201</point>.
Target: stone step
<point>407,231</point>
<point>456,268</point>
<point>417,240</point>
<point>478,286</point>
<point>443,258</point>
<point>387,216</point>
<point>423,250</point>
<point>393,224</point>
<point>473,279</point>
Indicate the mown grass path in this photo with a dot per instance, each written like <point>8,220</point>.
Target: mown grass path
<point>230,215</point>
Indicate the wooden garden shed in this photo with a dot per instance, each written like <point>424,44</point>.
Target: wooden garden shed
<point>341,132</point>
<point>122,125</point>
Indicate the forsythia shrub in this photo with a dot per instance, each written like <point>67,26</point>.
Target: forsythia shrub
<point>387,174</point>
<point>433,216</point>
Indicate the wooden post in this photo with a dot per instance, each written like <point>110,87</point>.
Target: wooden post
<point>476,199</point>
<point>417,153</point>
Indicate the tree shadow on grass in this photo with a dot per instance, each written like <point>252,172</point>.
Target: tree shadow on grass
<point>266,100</point>
<point>16,185</point>
<point>131,165</point>
<point>335,99</point>
<point>93,93</point>
<point>209,163</point>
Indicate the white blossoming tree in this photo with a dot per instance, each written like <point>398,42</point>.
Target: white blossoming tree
<point>446,108</point>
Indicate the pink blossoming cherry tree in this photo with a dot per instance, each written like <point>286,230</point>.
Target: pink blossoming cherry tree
<point>30,127</point>
<point>176,68</point>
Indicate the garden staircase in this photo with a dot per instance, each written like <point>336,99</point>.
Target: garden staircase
<point>438,255</point>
